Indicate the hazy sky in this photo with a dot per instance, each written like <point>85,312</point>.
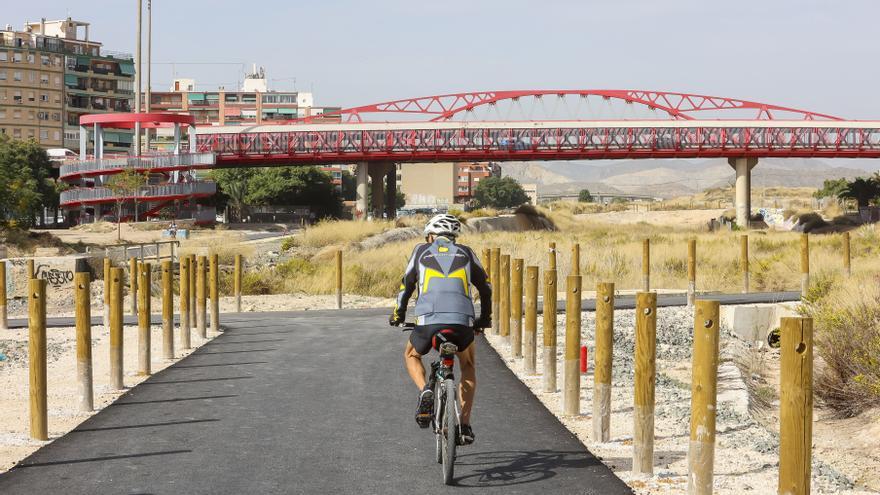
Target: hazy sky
<point>812,54</point>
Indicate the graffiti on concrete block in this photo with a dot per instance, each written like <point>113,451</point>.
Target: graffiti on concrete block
<point>54,276</point>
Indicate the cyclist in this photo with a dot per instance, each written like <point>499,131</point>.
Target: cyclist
<point>442,272</point>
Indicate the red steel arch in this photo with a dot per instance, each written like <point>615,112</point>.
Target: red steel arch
<point>679,106</point>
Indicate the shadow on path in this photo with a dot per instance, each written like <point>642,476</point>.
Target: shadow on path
<point>505,468</point>
<point>100,459</point>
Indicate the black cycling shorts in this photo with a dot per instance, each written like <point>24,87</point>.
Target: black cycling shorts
<point>461,336</point>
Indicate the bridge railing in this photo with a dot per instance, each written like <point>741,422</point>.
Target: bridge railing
<point>572,140</point>
<point>102,194</point>
<point>163,161</point>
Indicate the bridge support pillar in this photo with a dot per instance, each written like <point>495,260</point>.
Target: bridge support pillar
<point>743,198</point>
<point>360,209</point>
<point>377,176</point>
<point>391,191</point>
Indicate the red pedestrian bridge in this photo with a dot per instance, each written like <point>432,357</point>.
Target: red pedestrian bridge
<point>526,126</point>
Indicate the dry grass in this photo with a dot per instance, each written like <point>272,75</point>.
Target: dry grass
<point>337,232</point>
<point>846,319</point>
<point>225,244</point>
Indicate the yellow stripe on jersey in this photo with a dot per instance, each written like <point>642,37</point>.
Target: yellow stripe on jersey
<point>461,274</point>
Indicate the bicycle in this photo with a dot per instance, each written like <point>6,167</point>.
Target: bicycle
<point>445,420</point>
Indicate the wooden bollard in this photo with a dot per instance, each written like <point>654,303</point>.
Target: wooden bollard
<point>201,309</point>
<point>645,376</point>
<point>236,283</point>
<point>504,295</point>
<point>571,397</point>
<point>805,264</point>
<point>339,279</point>
<point>576,259</point>
<point>692,272</point>
<point>704,384</point>
<point>116,277</point>
<point>82,304</point>
<point>37,358</point>
<point>486,261</point>
<point>167,310</point>
<point>29,268</point>
<point>495,272</point>
<point>133,284</point>
<point>193,277</point>
<point>144,316</point>
<point>108,284</point>
<point>516,307</point>
<point>215,292</point>
<point>602,366</point>
<point>550,331</point>
<point>847,258</point>
<point>795,405</point>
<point>744,261</point>
<point>646,265</point>
<point>185,327</point>
<point>530,345</point>
<point>551,256</point>
<point>4,315</point>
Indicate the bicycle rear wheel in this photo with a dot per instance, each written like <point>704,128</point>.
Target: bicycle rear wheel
<point>439,401</point>
<point>449,432</point>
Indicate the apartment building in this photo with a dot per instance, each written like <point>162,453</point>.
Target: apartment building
<point>53,70</point>
<point>442,184</point>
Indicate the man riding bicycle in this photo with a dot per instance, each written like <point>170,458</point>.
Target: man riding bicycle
<point>443,272</point>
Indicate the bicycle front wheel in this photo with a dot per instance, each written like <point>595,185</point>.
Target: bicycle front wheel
<point>450,431</point>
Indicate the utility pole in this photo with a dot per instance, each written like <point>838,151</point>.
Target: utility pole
<point>149,62</point>
<point>137,80</point>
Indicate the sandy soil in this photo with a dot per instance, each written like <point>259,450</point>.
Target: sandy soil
<point>683,218</point>
<point>746,457</point>
<point>15,441</point>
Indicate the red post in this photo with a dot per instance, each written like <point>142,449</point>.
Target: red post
<point>583,359</point>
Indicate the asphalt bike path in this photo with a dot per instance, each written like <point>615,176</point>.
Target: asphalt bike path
<point>620,302</point>
<point>309,403</point>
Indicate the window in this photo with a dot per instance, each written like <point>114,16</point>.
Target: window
<point>30,58</point>
<point>32,96</point>
<point>32,76</point>
<point>57,80</point>
<point>58,61</point>
<point>16,133</point>
<point>44,59</point>
<point>2,75</point>
<point>2,113</point>
<point>44,134</point>
<point>4,56</point>
<point>16,76</point>
<point>44,97</point>
<point>31,133</point>
<point>16,97</point>
<point>56,135</point>
<point>42,115</point>
<point>16,57</point>
<point>44,78</point>
<point>56,117</point>
<point>16,114</point>
<point>31,115</point>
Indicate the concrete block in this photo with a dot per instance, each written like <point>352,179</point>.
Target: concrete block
<point>753,322</point>
<point>57,271</point>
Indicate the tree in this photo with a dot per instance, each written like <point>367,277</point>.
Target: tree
<point>295,185</point>
<point>500,192</point>
<point>232,188</point>
<point>126,184</point>
<point>26,176</point>
<point>831,188</point>
<point>862,190</point>
<point>584,196</point>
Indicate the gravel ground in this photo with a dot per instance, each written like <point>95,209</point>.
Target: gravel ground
<point>746,457</point>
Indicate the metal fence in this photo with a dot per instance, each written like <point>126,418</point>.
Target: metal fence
<point>97,194</point>
<point>165,161</point>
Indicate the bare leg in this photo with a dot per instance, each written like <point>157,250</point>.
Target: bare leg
<point>414,365</point>
<point>467,387</point>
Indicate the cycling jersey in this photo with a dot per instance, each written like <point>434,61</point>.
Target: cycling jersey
<point>441,274</point>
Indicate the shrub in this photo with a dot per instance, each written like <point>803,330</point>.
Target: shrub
<point>847,338</point>
<point>288,243</point>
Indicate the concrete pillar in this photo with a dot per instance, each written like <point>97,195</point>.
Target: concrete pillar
<point>83,142</point>
<point>192,139</point>
<point>391,191</point>
<point>377,172</point>
<point>361,197</point>
<point>743,168</point>
<point>176,138</point>
<point>99,142</point>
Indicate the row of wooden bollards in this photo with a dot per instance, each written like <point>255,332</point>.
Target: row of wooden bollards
<point>198,278</point>
<point>795,382</point>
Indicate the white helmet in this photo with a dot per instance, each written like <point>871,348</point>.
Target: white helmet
<point>443,224</point>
